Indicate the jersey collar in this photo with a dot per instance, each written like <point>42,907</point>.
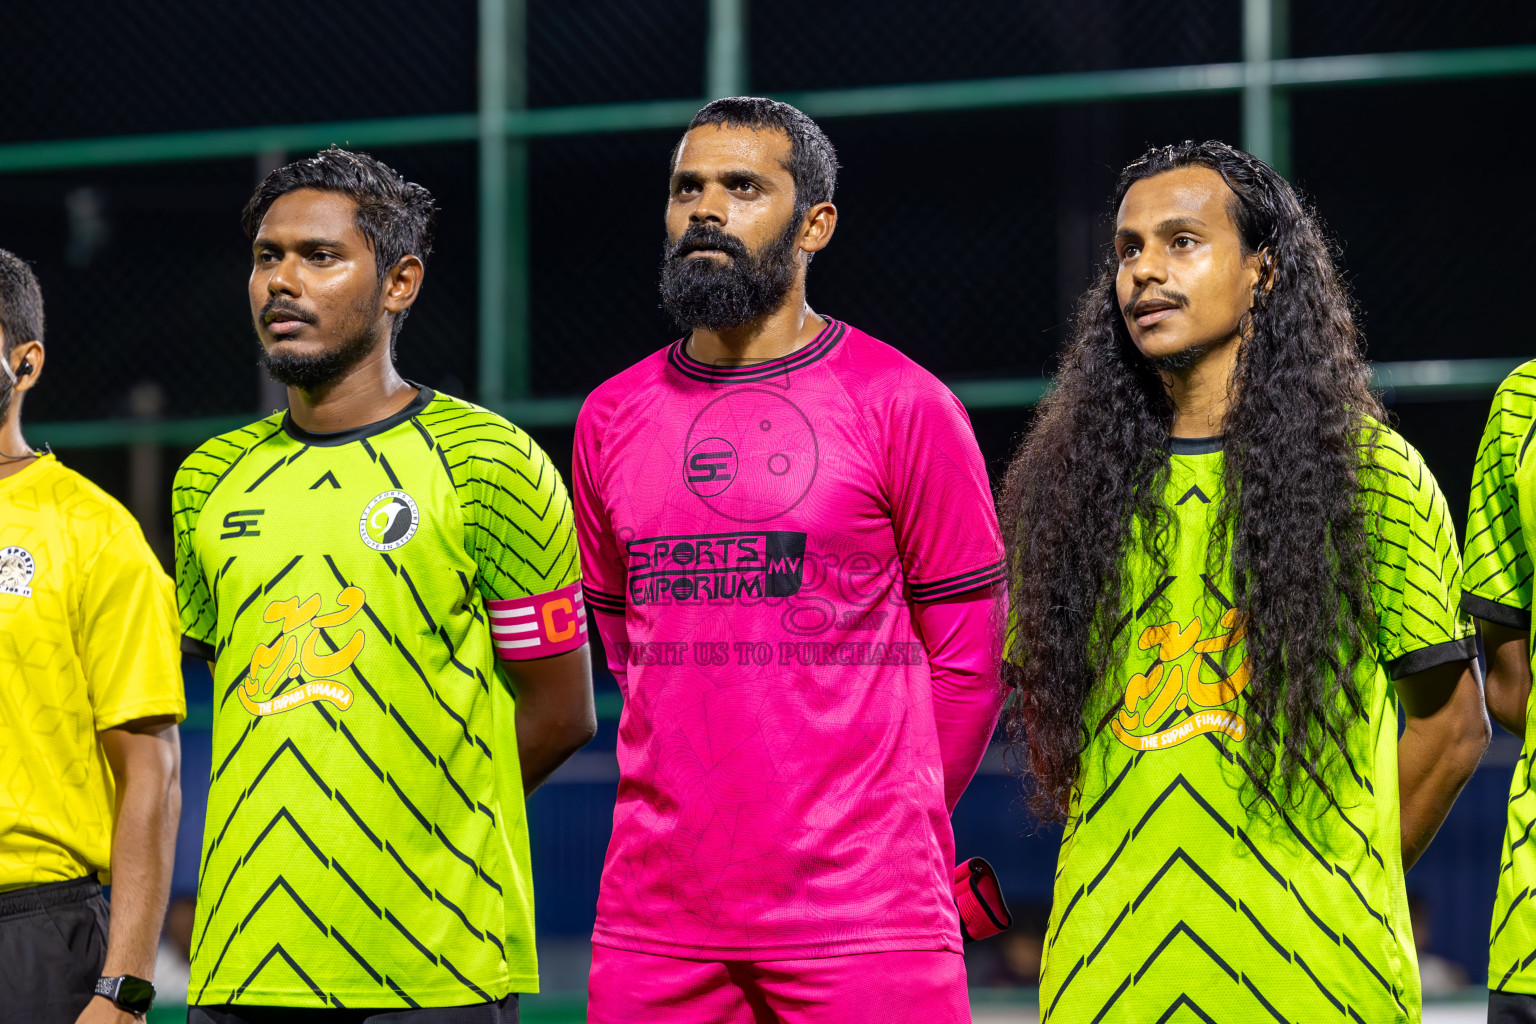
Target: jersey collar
<point>819,347</point>
<point>1196,445</point>
<point>337,437</point>
<point>30,471</point>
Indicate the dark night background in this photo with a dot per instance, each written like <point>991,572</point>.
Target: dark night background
<point>963,237</point>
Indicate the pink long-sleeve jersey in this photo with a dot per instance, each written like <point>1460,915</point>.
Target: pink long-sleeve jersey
<point>754,540</point>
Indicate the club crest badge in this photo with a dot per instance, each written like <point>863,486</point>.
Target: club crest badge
<point>389,521</point>
<point>16,570</point>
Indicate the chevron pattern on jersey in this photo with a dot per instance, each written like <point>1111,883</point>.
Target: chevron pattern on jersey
<point>522,500</point>
<point>1414,523</point>
<point>1498,565</point>
<point>1195,903</point>
<point>365,845</point>
<point>1497,586</point>
<point>1182,892</point>
<point>371,890</point>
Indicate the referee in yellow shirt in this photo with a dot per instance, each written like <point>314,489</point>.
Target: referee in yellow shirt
<point>90,694</point>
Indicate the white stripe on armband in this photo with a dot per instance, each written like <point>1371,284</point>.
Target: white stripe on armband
<point>540,625</point>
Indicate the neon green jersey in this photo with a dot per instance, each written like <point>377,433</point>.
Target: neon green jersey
<point>1181,895</point>
<point>366,844</point>
<point>1497,588</point>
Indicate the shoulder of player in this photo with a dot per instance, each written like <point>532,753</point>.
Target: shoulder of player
<point>92,518</point>
<point>1516,395</point>
<point>628,386</point>
<point>453,422</point>
<point>882,378</point>
<point>480,447</point>
<point>218,453</point>
<point>210,461</point>
<point>1392,464</point>
<point>1521,382</point>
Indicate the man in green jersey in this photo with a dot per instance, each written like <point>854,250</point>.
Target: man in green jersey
<point>1496,588</point>
<point>386,582</point>
<point>1228,578</point>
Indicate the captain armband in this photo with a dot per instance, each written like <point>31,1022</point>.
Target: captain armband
<point>539,626</point>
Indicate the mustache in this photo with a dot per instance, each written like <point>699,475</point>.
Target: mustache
<point>707,236</point>
<point>1176,298</point>
<point>290,312</point>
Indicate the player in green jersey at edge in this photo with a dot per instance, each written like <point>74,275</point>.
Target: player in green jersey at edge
<point>1228,577</point>
<point>386,582</point>
<point>1496,588</point>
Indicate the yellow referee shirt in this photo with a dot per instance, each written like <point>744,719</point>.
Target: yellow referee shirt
<point>88,641</point>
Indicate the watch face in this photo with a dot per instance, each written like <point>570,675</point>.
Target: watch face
<point>135,995</point>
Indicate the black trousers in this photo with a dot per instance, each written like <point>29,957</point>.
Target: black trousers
<point>502,1011</point>
<point>1511,1008</point>
<point>53,942</point>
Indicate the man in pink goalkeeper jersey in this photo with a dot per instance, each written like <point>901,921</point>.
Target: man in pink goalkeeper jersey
<point>791,546</point>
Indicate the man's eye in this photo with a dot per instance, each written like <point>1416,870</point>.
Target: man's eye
<point>1130,252</point>
<point>745,186</point>
<point>266,256</point>
<point>322,257</point>
<point>1184,242</point>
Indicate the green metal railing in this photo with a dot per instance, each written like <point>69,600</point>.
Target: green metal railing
<point>503,125</point>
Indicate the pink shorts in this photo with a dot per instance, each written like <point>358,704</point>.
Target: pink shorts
<point>906,987</point>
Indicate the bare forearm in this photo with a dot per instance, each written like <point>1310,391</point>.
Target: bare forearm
<point>143,851</point>
<point>556,712</point>
<point>1431,770</point>
<point>545,742</point>
<point>146,768</point>
<point>1509,675</point>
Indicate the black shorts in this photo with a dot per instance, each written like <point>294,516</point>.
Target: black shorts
<point>502,1011</point>
<point>1511,1008</point>
<point>53,943</point>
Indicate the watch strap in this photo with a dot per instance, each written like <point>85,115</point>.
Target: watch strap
<point>127,992</point>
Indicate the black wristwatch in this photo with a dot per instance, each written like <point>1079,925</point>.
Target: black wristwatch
<point>129,993</point>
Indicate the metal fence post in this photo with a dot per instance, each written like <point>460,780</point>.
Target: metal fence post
<point>504,363</point>
<point>1266,107</point>
<point>725,59</point>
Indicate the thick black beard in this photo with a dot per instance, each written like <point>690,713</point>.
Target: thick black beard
<point>716,296</point>
<point>312,373</point>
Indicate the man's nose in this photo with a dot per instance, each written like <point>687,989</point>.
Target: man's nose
<point>1148,267</point>
<point>284,278</point>
<point>712,207</point>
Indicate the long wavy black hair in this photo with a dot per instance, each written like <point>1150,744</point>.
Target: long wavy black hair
<point>1292,524</point>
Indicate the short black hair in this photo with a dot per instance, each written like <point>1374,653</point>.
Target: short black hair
<point>21,301</point>
<point>398,217</point>
<point>812,160</point>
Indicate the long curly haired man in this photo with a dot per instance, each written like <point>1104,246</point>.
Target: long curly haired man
<point>1227,573</point>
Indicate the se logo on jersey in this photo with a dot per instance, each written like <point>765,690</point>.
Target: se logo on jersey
<point>389,521</point>
<point>1205,690</point>
<point>264,690</point>
<point>752,455</point>
<point>16,571</point>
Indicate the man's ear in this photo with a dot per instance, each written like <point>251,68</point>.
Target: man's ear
<point>817,227</point>
<point>25,363</point>
<point>403,283</point>
<point>1266,270</point>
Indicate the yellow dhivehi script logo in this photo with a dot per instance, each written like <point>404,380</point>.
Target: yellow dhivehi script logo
<point>1202,689</point>
<point>264,690</point>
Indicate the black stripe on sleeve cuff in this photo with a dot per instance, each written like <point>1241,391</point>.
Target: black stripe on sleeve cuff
<point>1492,611</point>
<point>1426,658</point>
<point>194,648</point>
<point>954,586</point>
<point>597,600</point>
